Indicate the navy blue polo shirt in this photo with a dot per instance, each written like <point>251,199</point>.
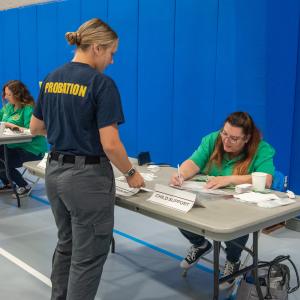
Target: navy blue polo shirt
<point>75,101</point>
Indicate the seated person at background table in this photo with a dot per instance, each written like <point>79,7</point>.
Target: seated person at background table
<point>16,114</point>
<point>231,155</point>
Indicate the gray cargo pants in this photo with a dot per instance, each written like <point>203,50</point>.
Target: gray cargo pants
<point>82,201</point>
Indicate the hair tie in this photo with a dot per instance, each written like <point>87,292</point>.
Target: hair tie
<point>77,38</point>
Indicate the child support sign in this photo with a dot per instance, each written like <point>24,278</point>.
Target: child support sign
<point>173,198</point>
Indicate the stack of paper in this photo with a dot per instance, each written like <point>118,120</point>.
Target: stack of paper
<point>263,200</point>
<point>123,189</point>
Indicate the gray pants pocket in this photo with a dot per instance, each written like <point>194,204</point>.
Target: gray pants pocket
<point>91,240</point>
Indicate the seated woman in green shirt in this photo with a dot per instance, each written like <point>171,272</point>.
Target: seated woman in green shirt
<point>230,155</point>
<point>17,114</point>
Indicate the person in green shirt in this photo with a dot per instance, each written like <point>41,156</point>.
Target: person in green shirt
<point>229,155</point>
<point>16,114</point>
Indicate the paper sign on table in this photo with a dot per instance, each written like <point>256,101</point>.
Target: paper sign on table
<point>173,198</point>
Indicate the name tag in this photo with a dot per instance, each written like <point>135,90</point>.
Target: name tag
<point>173,198</point>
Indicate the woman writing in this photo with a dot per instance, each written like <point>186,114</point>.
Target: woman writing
<point>230,155</point>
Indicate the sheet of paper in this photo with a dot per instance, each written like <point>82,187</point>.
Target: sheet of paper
<point>276,203</point>
<point>123,189</point>
<point>196,186</point>
<point>173,198</point>
<point>43,162</point>
<point>253,197</point>
<point>8,131</point>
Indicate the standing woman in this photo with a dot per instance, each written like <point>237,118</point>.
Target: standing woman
<point>79,109</point>
<point>16,114</point>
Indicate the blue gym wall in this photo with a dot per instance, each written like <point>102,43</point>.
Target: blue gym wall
<point>182,67</point>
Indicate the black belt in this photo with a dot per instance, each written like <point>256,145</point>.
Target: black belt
<point>68,158</point>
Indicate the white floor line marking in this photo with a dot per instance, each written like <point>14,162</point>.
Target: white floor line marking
<point>26,267</point>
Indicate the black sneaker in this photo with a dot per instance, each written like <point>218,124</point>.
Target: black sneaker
<point>195,253</point>
<point>22,192</point>
<point>229,269</point>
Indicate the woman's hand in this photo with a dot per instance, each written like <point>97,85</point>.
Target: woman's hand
<point>176,180</point>
<point>14,127</point>
<point>136,180</point>
<point>218,182</point>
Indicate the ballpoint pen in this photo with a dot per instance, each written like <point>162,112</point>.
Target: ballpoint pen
<point>178,174</point>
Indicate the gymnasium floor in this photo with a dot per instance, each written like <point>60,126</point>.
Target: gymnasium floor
<point>145,265</point>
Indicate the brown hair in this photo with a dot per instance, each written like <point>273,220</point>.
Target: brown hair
<point>244,121</point>
<point>91,32</point>
<point>19,91</point>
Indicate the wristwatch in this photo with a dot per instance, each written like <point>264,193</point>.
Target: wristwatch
<point>130,172</point>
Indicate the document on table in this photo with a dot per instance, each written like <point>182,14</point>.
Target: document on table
<point>197,186</point>
<point>263,200</point>
<point>9,132</point>
<point>123,189</point>
<point>43,162</point>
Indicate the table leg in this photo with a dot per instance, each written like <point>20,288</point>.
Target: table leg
<point>113,245</point>
<point>8,174</point>
<point>216,269</point>
<point>255,264</point>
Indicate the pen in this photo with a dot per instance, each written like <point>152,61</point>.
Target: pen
<point>178,174</point>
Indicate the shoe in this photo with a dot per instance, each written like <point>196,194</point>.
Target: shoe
<point>194,254</point>
<point>6,188</point>
<point>22,192</point>
<point>229,269</point>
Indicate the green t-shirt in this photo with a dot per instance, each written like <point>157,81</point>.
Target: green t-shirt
<point>262,160</point>
<point>21,117</point>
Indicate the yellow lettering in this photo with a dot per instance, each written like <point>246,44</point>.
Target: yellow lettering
<point>60,87</point>
<point>69,88</point>
<point>55,87</point>
<point>75,89</point>
<point>50,87</point>
<point>65,88</point>
<point>46,87</point>
<point>82,91</point>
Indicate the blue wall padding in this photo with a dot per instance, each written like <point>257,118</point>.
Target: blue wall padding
<point>28,48</point>
<point>94,8</point>
<point>124,19</point>
<point>225,88</point>
<point>155,77</point>
<point>295,156</point>
<point>241,50</point>
<point>1,50</point>
<point>68,19</point>
<point>182,67</point>
<point>194,75</point>
<point>47,39</point>
<point>282,36</point>
<point>10,49</point>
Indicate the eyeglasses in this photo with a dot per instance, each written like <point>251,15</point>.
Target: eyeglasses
<point>231,139</point>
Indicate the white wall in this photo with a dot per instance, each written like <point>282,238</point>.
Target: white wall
<point>7,4</point>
